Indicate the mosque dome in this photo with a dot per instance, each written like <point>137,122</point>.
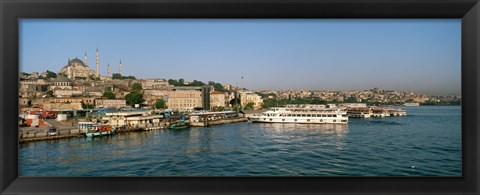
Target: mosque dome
<point>76,61</point>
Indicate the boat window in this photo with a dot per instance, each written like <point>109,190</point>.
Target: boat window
<point>303,115</point>
<point>329,115</point>
<point>309,115</point>
<point>334,115</point>
<point>324,115</point>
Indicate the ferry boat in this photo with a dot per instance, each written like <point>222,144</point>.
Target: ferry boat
<point>359,112</point>
<point>180,125</point>
<point>100,130</point>
<point>316,114</point>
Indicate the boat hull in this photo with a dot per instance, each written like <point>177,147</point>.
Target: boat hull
<point>101,133</point>
<point>313,120</point>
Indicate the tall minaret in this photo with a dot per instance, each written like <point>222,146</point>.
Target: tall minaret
<point>120,68</point>
<point>108,70</point>
<point>96,61</point>
<point>85,59</point>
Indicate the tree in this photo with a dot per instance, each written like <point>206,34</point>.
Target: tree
<point>87,106</point>
<point>49,93</point>
<point>197,83</point>
<point>51,74</point>
<point>134,98</point>
<point>116,76</point>
<point>109,95</point>
<point>181,80</point>
<point>219,87</point>
<point>136,87</point>
<point>249,106</point>
<point>160,104</point>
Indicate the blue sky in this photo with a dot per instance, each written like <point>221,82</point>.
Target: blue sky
<point>333,54</point>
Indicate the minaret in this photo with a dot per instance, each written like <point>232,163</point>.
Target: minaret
<point>108,70</point>
<point>69,72</point>
<point>85,59</point>
<point>120,68</point>
<point>96,62</point>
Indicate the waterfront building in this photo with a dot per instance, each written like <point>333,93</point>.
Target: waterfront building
<point>184,100</point>
<point>217,99</point>
<point>250,97</point>
<point>135,119</point>
<point>206,97</point>
<point>110,103</point>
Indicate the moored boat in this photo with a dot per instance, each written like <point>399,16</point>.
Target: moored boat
<point>180,125</point>
<point>100,130</point>
<point>305,115</point>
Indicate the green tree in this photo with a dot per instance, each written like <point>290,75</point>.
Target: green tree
<point>109,95</point>
<point>249,106</point>
<point>160,104</point>
<point>197,83</point>
<point>219,87</point>
<point>87,106</point>
<point>134,98</point>
<point>49,93</point>
<point>136,87</point>
<point>116,76</point>
<point>51,74</point>
<point>172,82</point>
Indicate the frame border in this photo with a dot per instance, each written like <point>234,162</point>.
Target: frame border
<point>13,10</point>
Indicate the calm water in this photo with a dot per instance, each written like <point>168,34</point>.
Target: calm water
<point>427,142</point>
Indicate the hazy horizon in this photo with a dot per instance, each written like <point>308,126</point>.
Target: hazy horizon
<point>316,54</point>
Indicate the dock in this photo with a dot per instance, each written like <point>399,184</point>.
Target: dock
<point>51,137</point>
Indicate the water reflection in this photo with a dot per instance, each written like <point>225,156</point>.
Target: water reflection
<point>336,129</point>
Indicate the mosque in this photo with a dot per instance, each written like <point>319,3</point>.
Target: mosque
<point>77,69</point>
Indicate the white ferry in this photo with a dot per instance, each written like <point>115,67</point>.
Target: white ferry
<point>305,115</point>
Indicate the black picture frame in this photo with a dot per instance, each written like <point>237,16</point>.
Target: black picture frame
<point>13,10</point>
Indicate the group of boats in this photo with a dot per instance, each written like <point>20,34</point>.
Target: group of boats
<point>97,129</point>
<point>305,114</point>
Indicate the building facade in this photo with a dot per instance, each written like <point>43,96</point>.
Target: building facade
<point>249,97</point>
<point>184,100</point>
<point>217,99</point>
<point>110,103</point>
